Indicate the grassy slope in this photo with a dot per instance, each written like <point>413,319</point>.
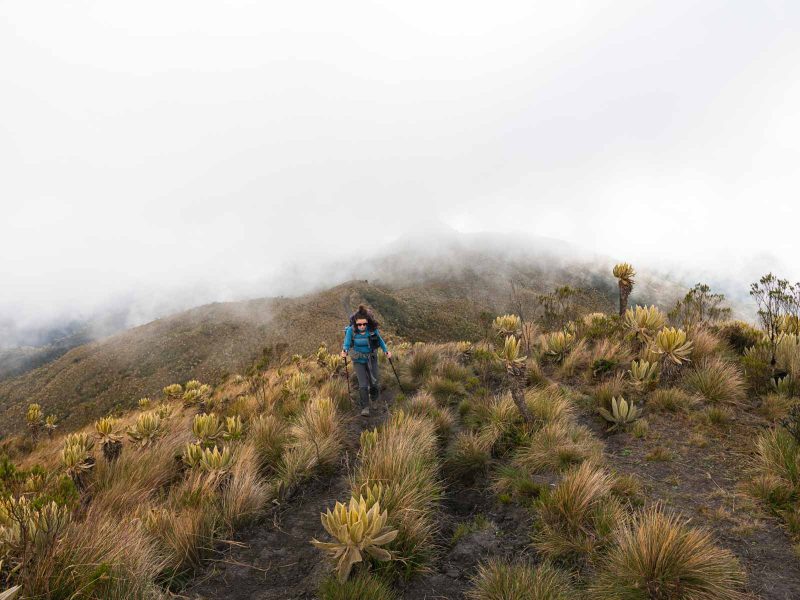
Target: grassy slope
<point>211,341</point>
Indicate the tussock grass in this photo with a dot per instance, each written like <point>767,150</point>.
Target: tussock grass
<point>778,455</point>
<point>424,405</point>
<point>578,516</point>
<point>705,344</point>
<point>657,555</point>
<point>469,456</point>
<point>501,421</point>
<point>499,580</point>
<point>610,388</point>
<point>669,400</point>
<point>101,557</point>
<point>269,435</point>
<point>446,391</point>
<point>717,381</point>
<point>575,361</point>
<point>403,460</point>
<point>316,443</point>
<point>612,351</point>
<point>421,363</point>
<point>246,493</point>
<point>364,586</point>
<point>557,447</point>
<point>549,404</point>
<point>131,481</point>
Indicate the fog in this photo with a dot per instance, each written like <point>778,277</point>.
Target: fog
<point>155,156</point>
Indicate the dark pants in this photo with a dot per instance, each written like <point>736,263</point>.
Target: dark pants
<point>367,373</point>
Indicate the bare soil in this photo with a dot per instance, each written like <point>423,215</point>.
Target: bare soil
<point>702,479</point>
<point>274,560</point>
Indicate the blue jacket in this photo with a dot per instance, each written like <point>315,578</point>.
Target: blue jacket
<point>360,343</point>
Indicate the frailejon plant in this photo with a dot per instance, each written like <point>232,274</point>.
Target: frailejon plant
<point>145,404</point>
<point>506,325</point>
<point>672,345</point>
<point>622,413</point>
<point>557,344</point>
<point>642,322</point>
<point>50,425</point>
<point>34,418</point>
<point>110,439</point>
<point>358,530</point>
<point>234,429</point>
<point>625,273</point>
<point>643,374</point>
<point>173,391</point>
<point>76,457</point>
<point>147,430</point>
<point>516,371</point>
<point>207,429</point>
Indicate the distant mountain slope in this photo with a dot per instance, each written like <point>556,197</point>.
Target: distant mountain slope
<point>415,299</point>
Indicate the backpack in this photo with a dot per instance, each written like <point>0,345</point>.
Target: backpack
<point>374,343</point>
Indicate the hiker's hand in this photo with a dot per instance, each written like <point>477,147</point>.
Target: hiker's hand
<point>343,354</point>
<point>388,354</point>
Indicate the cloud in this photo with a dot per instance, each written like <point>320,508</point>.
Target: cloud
<point>188,152</point>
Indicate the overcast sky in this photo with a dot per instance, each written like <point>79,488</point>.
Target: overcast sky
<point>193,143</point>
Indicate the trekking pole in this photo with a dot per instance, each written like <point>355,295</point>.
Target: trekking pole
<point>400,385</point>
<point>347,374</point>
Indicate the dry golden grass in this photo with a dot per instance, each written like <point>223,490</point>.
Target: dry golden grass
<point>403,460</point>
<point>578,516</point>
<point>717,381</point>
<point>704,344</point>
<point>661,554</point>
<point>558,446</point>
<point>575,361</point>
<point>498,580</point>
<point>669,400</point>
<point>549,404</point>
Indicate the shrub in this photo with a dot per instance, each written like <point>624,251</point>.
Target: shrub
<point>498,580</point>
<point>578,515</point>
<point>717,381</point>
<point>739,335</point>
<point>657,555</point>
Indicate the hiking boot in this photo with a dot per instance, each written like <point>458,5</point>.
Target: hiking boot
<point>365,411</point>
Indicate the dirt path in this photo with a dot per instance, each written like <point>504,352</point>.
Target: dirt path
<point>273,559</point>
<point>701,479</point>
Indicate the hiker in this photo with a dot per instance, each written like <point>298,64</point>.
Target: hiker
<point>362,337</point>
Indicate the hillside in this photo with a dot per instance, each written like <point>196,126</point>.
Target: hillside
<point>419,292</point>
<point>211,341</point>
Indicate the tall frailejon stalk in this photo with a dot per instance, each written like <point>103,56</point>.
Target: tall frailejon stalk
<point>516,373</point>
<point>625,273</point>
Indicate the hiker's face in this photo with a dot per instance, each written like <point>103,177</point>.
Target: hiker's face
<point>361,325</point>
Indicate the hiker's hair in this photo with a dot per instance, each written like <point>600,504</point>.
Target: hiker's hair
<point>364,313</point>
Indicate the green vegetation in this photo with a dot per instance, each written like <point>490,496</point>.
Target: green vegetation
<point>519,416</point>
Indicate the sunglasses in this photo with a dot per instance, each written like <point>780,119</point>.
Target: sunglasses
<point>361,324</point>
